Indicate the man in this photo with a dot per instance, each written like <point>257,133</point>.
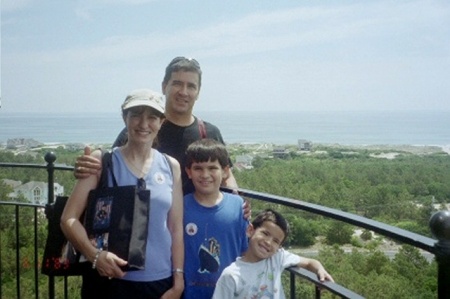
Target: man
<point>181,87</point>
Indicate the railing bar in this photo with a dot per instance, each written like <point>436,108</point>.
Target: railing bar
<point>50,159</point>
<point>318,293</point>
<point>401,235</point>
<point>1,268</point>
<point>51,287</point>
<point>41,166</point>
<point>36,258</point>
<point>17,254</point>
<point>292,285</point>
<point>66,288</point>
<point>330,286</point>
<point>21,204</point>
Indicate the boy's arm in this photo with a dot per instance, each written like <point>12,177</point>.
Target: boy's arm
<point>316,267</point>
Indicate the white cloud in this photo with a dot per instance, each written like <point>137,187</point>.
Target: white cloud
<point>365,55</point>
<point>15,5</point>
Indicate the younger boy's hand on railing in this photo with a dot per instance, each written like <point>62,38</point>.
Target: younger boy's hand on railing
<point>323,275</point>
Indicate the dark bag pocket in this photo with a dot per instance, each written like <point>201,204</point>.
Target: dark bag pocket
<point>60,257</point>
<point>117,221</point>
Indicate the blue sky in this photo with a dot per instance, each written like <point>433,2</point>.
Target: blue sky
<point>84,56</point>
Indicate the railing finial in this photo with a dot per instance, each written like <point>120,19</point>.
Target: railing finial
<point>440,228</point>
<point>50,157</point>
<point>440,225</point>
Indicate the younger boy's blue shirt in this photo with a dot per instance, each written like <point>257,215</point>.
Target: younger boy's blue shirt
<point>213,238</point>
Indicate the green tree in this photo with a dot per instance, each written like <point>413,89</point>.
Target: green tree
<point>339,233</point>
<point>303,232</point>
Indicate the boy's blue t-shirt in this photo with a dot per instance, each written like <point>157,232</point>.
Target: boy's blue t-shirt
<point>213,238</point>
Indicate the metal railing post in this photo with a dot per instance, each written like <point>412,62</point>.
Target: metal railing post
<point>17,252</point>
<point>440,228</point>
<point>292,285</point>
<point>50,158</point>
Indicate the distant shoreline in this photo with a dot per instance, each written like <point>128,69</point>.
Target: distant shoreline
<point>420,128</point>
<point>386,150</point>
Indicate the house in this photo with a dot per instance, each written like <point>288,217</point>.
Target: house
<point>280,152</point>
<point>21,143</point>
<point>34,192</point>
<point>243,162</point>
<point>304,145</point>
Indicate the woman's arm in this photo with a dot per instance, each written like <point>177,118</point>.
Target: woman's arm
<point>175,223</point>
<point>107,263</point>
<point>75,206</point>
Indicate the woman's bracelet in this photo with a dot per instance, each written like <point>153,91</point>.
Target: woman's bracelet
<point>177,270</point>
<point>97,255</point>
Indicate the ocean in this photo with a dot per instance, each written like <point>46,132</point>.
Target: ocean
<point>282,128</point>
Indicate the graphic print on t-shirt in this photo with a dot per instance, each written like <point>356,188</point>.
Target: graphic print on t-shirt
<point>208,255</point>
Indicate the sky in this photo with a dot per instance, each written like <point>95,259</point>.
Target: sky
<point>84,56</point>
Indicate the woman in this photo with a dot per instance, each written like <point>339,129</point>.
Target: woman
<point>143,114</point>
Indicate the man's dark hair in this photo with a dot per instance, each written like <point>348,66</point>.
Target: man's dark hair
<point>207,149</point>
<point>272,216</point>
<point>183,64</point>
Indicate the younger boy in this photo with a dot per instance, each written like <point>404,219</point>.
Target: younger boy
<point>257,274</point>
<point>214,224</point>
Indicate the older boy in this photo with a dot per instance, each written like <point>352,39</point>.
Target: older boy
<point>214,225</point>
<point>257,274</point>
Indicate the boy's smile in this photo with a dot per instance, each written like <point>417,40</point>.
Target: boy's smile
<point>264,241</point>
<point>207,178</point>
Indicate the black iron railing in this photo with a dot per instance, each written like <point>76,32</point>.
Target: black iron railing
<point>439,224</point>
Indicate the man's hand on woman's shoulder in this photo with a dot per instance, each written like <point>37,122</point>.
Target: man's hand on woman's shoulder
<point>86,165</point>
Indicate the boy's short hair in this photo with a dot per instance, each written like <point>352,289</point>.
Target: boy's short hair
<point>272,216</point>
<point>206,149</point>
<point>183,64</point>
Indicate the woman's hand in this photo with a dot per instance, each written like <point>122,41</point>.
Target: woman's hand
<point>108,264</point>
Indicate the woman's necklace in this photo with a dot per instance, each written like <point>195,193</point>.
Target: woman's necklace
<point>141,171</point>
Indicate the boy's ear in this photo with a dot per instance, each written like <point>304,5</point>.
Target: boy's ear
<point>250,231</point>
<point>225,173</point>
<point>188,171</point>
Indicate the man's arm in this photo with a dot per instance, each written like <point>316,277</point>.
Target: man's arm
<point>87,165</point>
<point>230,182</point>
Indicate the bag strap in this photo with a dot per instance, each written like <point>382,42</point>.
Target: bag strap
<point>107,165</point>
<point>168,161</point>
<point>201,128</point>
